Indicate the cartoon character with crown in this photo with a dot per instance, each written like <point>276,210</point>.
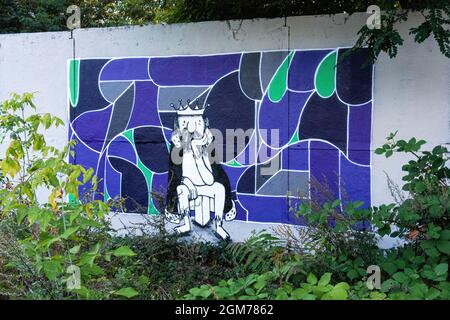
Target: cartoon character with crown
<point>196,184</point>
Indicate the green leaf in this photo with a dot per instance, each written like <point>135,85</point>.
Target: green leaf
<point>299,293</point>
<point>69,231</point>
<point>325,279</point>
<point>420,187</point>
<point>123,251</point>
<point>445,235</point>
<point>311,279</point>
<point>75,249</point>
<point>52,269</point>
<point>389,267</point>
<point>443,246</point>
<point>400,277</point>
<point>441,269</point>
<point>126,292</point>
<point>419,290</point>
<point>339,293</point>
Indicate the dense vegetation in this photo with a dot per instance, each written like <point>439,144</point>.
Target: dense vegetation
<point>63,247</point>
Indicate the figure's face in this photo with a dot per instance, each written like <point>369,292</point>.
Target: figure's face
<point>195,125</point>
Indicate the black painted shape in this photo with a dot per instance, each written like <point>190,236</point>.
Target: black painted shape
<point>175,175</point>
<point>270,62</point>
<point>121,113</point>
<point>325,119</point>
<point>167,119</point>
<point>229,108</point>
<point>151,148</point>
<point>246,183</point>
<point>89,97</point>
<point>134,186</point>
<point>354,77</point>
<point>249,75</point>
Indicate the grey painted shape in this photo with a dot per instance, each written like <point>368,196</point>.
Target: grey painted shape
<point>121,113</point>
<point>249,75</point>
<point>113,89</point>
<point>270,62</point>
<point>262,178</point>
<point>294,182</point>
<point>168,95</point>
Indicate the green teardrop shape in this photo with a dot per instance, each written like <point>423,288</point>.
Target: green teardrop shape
<point>74,72</point>
<point>325,80</point>
<point>234,163</point>
<point>105,195</point>
<point>278,85</point>
<point>295,138</point>
<point>129,135</point>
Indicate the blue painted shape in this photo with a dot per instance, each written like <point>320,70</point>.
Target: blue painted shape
<point>192,70</point>
<point>355,182</point>
<point>295,157</point>
<point>282,116</point>
<point>359,130</point>
<point>121,147</point>
<point>303,68</point>
<point>125,69</point>
<point>324,173</point>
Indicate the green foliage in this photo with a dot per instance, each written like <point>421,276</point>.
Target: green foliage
<point>258,253</point>
<point>54,238</point>
<point>425,214</point>
<point>436,14</point>
<point>272,285</point>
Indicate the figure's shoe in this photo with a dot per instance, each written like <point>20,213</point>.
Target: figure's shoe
<point>184,229</point>
<point>221,233</point>
<point>201,225</point>
<point>172,217</point>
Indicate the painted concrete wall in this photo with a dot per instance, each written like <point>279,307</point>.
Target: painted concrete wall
<point>411,92</point>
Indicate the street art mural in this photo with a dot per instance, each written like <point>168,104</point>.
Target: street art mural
<point>300,122</point>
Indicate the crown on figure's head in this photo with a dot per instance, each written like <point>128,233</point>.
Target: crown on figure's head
<point>190,109</point>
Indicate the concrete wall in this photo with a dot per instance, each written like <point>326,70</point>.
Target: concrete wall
<point>411,92</point>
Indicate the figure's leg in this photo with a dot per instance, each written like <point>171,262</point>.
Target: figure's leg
<point>216,191</point>
<point>202,210</point>
<point>183,209</point>
<point>219,204</point>
<point>186,227</point>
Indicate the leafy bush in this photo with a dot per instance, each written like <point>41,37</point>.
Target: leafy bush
<point>272,285</point>
<point>58,243</point>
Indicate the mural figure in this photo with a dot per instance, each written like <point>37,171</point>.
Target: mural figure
<point>197,189</point>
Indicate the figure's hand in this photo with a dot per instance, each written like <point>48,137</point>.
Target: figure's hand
<point>197,146</point>
<point>196,149</point>
<point>193,194</point>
